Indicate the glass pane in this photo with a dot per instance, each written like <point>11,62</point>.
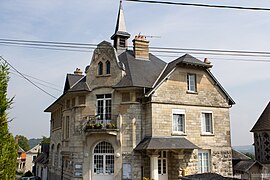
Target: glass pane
<point>98,164</point>
<point>109,164</point>
<point>159,166</point>
<point>164,166</point>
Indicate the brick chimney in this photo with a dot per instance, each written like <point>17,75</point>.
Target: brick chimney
<point>78,71</point>
<point>141,47</point>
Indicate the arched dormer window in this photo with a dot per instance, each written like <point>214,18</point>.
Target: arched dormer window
<point>100,68</point>
<point>108,67</point>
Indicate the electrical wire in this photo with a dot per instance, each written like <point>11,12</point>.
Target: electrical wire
<point>38,82</point>
<point>53,45</point>
<point>1,58</point>
<point>201,5</point>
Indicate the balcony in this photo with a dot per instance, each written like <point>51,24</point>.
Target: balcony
<point>95,125</point>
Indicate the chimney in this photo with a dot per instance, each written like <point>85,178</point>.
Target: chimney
<point>141,47</point>
<point>78,71</point>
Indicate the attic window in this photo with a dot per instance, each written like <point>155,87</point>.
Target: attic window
<point>191,83</point>
<point>100,68</point>
<point>108,67</point>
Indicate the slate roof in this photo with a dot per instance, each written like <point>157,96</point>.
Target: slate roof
<point>263,123</point>
<point>140,73</point>
<point>236,155</point>
<point>71,79</point>
<point>244,166</point>
<point>206,176</point>
<point>165,143</point>
<point>42,159</point>
<point>80,85</point>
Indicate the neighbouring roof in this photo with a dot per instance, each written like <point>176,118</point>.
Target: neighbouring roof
<point>42,159</point>
<point>205,176</point>
<point>140,73</point>
<point>263,123</point>
<point>236,155</point>
<point>165,143</point>
<point>244,166</point>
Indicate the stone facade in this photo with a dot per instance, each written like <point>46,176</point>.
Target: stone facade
<point>97,124</point>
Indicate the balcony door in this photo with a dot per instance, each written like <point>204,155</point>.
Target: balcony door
<point>104,108</point>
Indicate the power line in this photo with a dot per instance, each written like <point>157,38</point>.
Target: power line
<point>71,45</point>
<point>201,5</point>
<point>1,58</point>
<point>38,82</point>
<point>53,45</point>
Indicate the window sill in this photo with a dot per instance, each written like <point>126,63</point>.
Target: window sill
<point>103,75</point>
<point>179,134</point>
<point>130,102</point>
<point>207,134</point>
<point>192,92</point>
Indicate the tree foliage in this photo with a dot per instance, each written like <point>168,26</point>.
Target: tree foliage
<point>8,147</point>
<point>45,140</point>
<point>23,142</point>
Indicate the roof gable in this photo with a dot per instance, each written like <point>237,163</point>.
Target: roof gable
<point>263,123</point>
<point>71,79</point>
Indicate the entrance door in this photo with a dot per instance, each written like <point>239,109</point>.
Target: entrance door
<point>103,165</point>
<point>162,166</point>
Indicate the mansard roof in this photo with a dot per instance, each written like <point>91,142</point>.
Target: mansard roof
<point>140,73</point>
<point>263,123</point>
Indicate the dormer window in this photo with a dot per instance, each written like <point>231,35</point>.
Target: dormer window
<point>100,68</point>
<point>108,67</point>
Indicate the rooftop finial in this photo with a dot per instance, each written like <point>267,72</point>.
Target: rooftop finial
<point>120,33</point>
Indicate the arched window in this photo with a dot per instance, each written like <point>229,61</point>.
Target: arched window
<point>103,159</point>
<point>52,154</point>
<point>100,68</point>
<point>108,67</point>
<point>59,155</point>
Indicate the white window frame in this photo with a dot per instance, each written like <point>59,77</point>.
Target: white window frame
<point>104,162</point>
<point>178,112</point>
<point>203,123</point>
<point>203,162</point>
<point>191,86</point>
<point>104,120</point>
<point>161,165</point>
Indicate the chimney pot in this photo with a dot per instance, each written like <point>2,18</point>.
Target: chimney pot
<point>141,47</point>
<point>78,71</point>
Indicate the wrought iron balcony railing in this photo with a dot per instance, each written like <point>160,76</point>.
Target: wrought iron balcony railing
<point>94,123</point>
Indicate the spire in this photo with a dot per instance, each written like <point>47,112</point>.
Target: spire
<point>120,35</point>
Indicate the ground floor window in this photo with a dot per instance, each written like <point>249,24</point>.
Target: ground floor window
<point>103,158</point>
<point>204,161</point>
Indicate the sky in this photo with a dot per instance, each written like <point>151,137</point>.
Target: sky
<point>89,21</point>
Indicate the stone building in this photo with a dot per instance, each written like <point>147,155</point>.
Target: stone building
<point>261,134</point>
<point>132,115</point>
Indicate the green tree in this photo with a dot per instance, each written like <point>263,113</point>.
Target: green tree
<point>252,156</point>
<point>45,140</point>
<point>8,147</point>
<point>23,142</point>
